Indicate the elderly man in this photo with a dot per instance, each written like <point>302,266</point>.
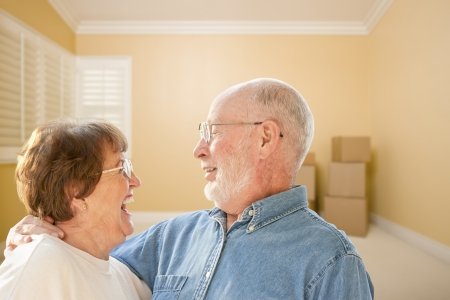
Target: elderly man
<point>260,241</point>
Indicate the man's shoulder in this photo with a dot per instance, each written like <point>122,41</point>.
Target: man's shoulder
<point>326,234</point>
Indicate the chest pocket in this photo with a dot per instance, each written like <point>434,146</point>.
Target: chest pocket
<point>168,287</point>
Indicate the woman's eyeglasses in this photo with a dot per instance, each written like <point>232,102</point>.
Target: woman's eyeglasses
<point>126,168</point>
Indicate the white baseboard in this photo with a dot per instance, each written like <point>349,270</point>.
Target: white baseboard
<point>413,238</point>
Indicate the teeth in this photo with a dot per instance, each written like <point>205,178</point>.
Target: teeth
<point>128,200</point>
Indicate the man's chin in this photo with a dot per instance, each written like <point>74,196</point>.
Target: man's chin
<point>218,194</point>
<point>208,190</point>
<point>214,194</point>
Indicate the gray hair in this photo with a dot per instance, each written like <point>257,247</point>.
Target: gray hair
<point>278,100</point>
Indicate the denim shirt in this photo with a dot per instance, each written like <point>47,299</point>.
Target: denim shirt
<point>278,249</point>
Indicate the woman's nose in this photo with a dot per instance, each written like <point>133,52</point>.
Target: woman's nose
<point>134,180</point>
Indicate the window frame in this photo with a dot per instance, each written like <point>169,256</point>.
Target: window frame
<point>45,71</point>
<point>122,65</point>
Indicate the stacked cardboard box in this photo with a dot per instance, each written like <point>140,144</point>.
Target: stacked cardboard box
<point>346,201</point>
<point>307,176</point>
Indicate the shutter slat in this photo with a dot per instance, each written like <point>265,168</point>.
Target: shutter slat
<point>104,90</point>
<point>48,79</point>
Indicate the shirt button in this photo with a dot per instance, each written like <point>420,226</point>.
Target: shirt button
<point>251,212</point>
<point>251,228</point>
<point>208,274</point>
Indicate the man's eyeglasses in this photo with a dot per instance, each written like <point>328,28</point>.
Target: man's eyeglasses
<point>206,129</point>
<point>126,168</point>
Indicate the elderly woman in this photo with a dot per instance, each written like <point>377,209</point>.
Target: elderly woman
<point>77,174</point>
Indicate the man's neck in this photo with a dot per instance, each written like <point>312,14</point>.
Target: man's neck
<point>233,216</point>
<point>231,219</point>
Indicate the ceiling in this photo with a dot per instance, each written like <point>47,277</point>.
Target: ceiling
<point>355,17</point>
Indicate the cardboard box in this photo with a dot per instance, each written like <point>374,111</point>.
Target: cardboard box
<point>307,176</point>
<point>347,179</point>
<point>348,214</point>
<point>351,149</point>
<point>310,159</point>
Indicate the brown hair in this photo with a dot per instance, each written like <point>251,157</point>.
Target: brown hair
<point>61,160</point>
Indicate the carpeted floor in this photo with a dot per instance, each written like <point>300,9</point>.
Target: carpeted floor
<point>401,272</point>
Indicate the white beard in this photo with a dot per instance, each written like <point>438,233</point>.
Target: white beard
<point>233,176</point>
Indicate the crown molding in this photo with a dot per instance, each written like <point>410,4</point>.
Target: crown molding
<point>67,13</point>
<point>244,28</point>
<point>220,27</point>
<point>376,13</point>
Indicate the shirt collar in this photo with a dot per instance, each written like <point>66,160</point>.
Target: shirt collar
<point>269,209</point>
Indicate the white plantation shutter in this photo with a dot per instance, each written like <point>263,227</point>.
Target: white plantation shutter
<point>67,81</point>
<point>32,81</point>
<point>36,84</point>
<point>10,87</point>
<point>50,65</point>
<point>104,92</point>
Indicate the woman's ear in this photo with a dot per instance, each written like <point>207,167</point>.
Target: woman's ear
<point>270,135</point>
<point>78,205</point>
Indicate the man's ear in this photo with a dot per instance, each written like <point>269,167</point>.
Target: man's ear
<point>270,135</point>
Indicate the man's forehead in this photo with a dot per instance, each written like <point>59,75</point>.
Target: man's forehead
<point>226,107</point>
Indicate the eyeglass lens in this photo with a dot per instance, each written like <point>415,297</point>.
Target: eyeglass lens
<point>204,132</point>
<point>127,168</point>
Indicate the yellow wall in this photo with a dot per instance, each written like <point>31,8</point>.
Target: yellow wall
<point>389,85</point>
<point>41,16</point>
<point>409,94</point>
<point>176,77</point>
<point>11,208</point>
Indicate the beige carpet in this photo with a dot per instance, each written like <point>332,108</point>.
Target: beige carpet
<point>399,271</point>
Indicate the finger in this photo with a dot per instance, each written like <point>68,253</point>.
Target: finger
<point>22,234</point>
<point>49,220</point>
<point>8,250</point>
<point>48,226</point>
<point>16,240</point>
<point>37,221</point>
<point>19,239</point>
<point>51,229</point>
<point>42,227</point>
<point>27,219</point>
<point>27,226</point>
<point>13,231</point>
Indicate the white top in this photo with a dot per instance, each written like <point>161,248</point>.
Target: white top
<point>49,268</point>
